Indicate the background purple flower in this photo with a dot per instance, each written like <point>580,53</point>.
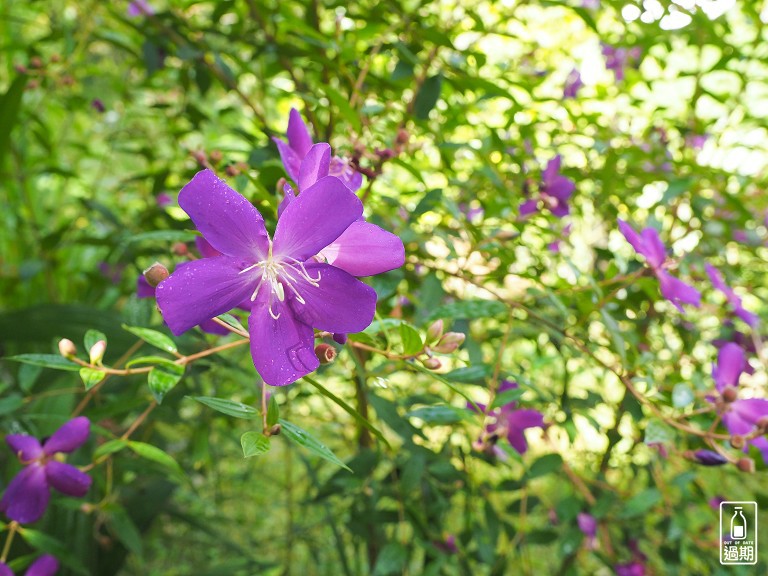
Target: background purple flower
<point>46,565</point>
<point>26,497</point>
<point>572,84</point>
<point>140,8</point>
<point>649,245</point>
<point>733,299</point>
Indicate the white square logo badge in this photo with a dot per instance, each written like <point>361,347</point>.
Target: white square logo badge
<point>738,533</point>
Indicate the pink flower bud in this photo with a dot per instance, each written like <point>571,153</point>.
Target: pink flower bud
<point>449,342</point>
<point>325,353</point>
<point>156,274</point>
<point>96,353</point>
<point>216,156</point>
<point>67,348</point>
<point>435,331</point>
<point>746,465</point>
<point>431,363</point>
<point>729,394</point>
<point>180,249</point>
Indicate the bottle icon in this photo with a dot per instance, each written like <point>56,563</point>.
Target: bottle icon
<point>738,525</point>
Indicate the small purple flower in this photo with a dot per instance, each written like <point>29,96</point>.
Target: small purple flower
<point>298,146</point>
<point>649,245</point>
<point>163,200</point>
<point>112,272</point>
<point>696,141</point>
<point>448,545</point>
<point>740,417</point>
<point>27,495</point>
<point>508,422</point>
<point>709,458</point>
<point>140,8</point>
<point>555,188</point>
<point>289,290</point>
<point>733,299</point>
<point>572,84</point>
<point>630,569</point>
<point>555,245</point>
<point>618,59</point>
<point>46,565</point>
<point>98,105</point>
<point>587,524</point>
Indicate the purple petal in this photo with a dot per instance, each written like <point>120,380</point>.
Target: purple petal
<point>587,524</point>
<point>761,443</point>
<point>516,439</point>
<point>552,170</point>
<point>316,218</point>
<point>67,479</point>
<point>343,170</point>
<point>291,160</point>
<point>314,166</point>
<point>526,419</point>
<point>632,237</point>
<point>340,338</point>
<point>742,415</point>
<point>339,303</point>
<point>4,570</point>
<point>230,223</point>
<point>653,248</point>
<point>353,180</point>
<point>143,289</point>
<point>506,385</point>
<point>677,291</point>
<point>751,319</point>
<point>26,497</point>
<point>299,138</point>
<point>716,278</point>
<point>69,437</point>
<point>205,249</point>
<point>560,187</point>
<point>46,565</point>
<point>26,448</point>
<point>560,209</point>
<point>364,249</point>
<point>203,289</point>
<point>211,327</point>
<point>529,207</point>
<point>283,349</point>
<point>288,196</point>
<point>730,364</point>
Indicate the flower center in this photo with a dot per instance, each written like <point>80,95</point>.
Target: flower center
<point>341,168</point>
<point>279,272</point>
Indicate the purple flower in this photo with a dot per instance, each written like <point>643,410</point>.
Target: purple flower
<point>733,299</point>
<point>649,245</point>
<point>140,8</point>
<point>448,545</point>
<point>46,565</point>
<point>555,245</point>
<point>555,188</point>
<point>298,146</point>
<point>27,495</point>
<point>572,84</point>
<point>617,59</point>
<point>508,422</point>
<point>740,417</point>
<point>587,524</point>
<point>112,272</point>
<point>98,105</point>
<point>163,199</point>
<point>696,141</point>
<point>630,569</point>
<point>289,290</point>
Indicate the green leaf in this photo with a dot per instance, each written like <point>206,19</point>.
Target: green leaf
<point>303,438</point>
<point>153,337</point>
<point>640,503</point>
<point>615,332</point>
<point>427,97</point>
<point>163,377</point>
<point>109,447</point>
<point>273,411</point>
<point>46,360</point>
<point>228,407</point>
<point>232,321</point>
<point>11,403</point>
<point>155,454</point>
<point>469,309</point>
<point>148,360</point>
<point>91,377</point>
<point>547,464</point>
<point>28,374</point>
<point>392,560</point>
<point>91,337</point>
<point>123,527</point>
<point>476,373</point>
<point>506,397</point>
<point>10,104</point>
<point>412,342</point>
<point>254,444</point>
<point>440,414</point>
<point>657,432</point>
<point>44,543</point>
<point>347,408</point>
<point>682,395</point>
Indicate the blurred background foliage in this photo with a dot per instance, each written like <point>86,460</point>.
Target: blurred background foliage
<point>453,109</point>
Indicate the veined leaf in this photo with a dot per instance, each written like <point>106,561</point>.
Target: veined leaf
<point>304,439</point>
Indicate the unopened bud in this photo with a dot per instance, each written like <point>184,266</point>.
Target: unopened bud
<point>96,353</point>
<point>432,363</point>
<point>199,157</point>
<point>232,170</point>
<point>435,331</point>
<point>402,136</point>
<point>449,342</point>
<point>20,68</point>
<point>156,274</point>
<point>762,423</point>
<point>216,156</point>
<point>746,465</point>
<point>67,348</point>
<point>325,353</point>
<point>707,457</point>
<point>36,62</point>
<point>180,249</point>
<point>730,393</point>
<point>275,430</point>
<point>340,338</point>
<point>737,441</point>
<point>55,57</point>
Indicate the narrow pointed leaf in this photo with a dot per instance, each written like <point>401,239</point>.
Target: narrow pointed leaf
<point>304,439</point>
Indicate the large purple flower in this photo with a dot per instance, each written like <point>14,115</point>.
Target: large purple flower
<point>27,495</point>
<point>733,299</point>
<point>298,146</point>
<point>648,244</point>
<point>740,417</point>
<point>290,291</point>
<point>509,422</point>
<point>46,565</point>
